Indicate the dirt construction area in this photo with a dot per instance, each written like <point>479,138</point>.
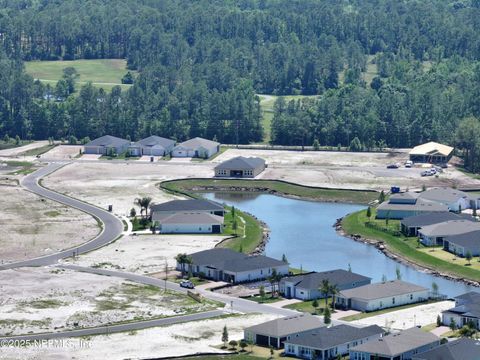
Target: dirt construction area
<point>32,226</point>
<point>49,299</point>
<point>174,340</point>
<point>146,253</point>
<point>119,183</point>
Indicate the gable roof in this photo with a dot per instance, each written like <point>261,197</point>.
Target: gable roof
<point>469,297</point>
<point>154,141</point>
<point>108,140</point>
<point>432,148</point>
<point>229,260</point>
<point>449,228</point>
<point>287,325</point>
<point>314,280</point>
<point>188,205</point>
<point>396,344</point>
<point>381,290</point>
<point>195,218</point>
<point>198,142</point>
<point>420,205</point>
<point>461,349</point>
<point>405,196</point>
<point>433,218</point>
<point>241,162</point>
<point>326,338</point>
<point>444,195</point>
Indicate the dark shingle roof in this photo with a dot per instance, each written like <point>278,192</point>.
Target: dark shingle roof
<point>381,290</point>
<point>337,277</point>
<point>461,349</point>
<point>469,297</point>
<point>433,218</point>
<point>470,310</point>
<point>230,260</point>
<point>326,338</point>
<point>420,205</point>
<point>396,344</point>
<point>443,195</point>
<point>241,162</point>
<point>468,240</point>
<point>450,228</point>
<point>188,205</point>
<point>154,141</point>
<point>108,140</point>
<point>197,142</point>
<point>287,325</point>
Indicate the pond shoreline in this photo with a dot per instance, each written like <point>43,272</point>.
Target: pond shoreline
<point>379,245</point>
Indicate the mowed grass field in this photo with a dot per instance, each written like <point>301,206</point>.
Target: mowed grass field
<point>103,73</point>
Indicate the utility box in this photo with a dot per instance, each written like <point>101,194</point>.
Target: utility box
<point>110,208</point>
<point>152,158</point>
<point>395,189</point>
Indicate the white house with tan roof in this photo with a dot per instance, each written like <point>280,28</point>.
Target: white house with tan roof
<point>431,152</point>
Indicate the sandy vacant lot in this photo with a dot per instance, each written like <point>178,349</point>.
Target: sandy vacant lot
<point>173,340</point>
<point>146,253</point>
<point>62,152</point>
<point>18,150</point>
<point>47,299</point>
<point>33,226</point>
<point>407,318</point>
<point>103,183</point>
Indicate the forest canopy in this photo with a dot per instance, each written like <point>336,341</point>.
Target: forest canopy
<point>202,62</point>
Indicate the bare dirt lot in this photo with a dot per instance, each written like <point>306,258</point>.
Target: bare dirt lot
<point>146,253</point>
<point>32,226</point>
<point>62,152</point>
<point>47,299</point>
<point>19,150</point>
<point>174,340</point>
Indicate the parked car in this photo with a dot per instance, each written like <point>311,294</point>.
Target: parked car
<point>433,171</point>
<point>408,163</point>
<point>444,166</point>
<point>425,173</point>
<point>187,284</point>
<point>392,166</point>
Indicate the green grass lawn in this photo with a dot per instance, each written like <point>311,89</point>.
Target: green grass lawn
<point>11,144</point>
<point>266,300</point>
<point>274,186</point>
<point>307,307</point>
<point>406,247</point>
<point>104,73</point>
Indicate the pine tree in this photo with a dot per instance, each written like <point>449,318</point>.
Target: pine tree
<point>225,336</point>
<point>327,316</point>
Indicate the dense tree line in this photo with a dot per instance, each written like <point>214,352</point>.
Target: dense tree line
<point>201,63</point>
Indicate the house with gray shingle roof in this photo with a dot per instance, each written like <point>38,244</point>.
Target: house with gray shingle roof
<point>400,346</point>
<point>381,295</point>
<point>462,244</point>
<point>460,349</point>
<point>402,207</point>
<point>196,147</point>
<point>275,332</point>
<point>181,223</point>
<point>330,342</point>
<point>435,234</point>
<point>467,309</point>
<point>454,199</point>
<point>106,145</point>
<point>240,167</point>
<point>222,264</point>
<point>410,225</point>
<point>152,146</point>
<point>306,286</point>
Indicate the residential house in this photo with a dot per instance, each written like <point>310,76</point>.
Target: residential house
<point>106,145</point>
<point>434,235</point>
<point>400,206</point>
<point>151,146</point>
<point>462,244</point>
<point>191,206</point>
<point>460,349</point>
<point>431,152</point>
<point>222,264</point>
<point>330,342</point>
<point>275,332</point>
<point>381,295</point>
<point>306,286</point>
<point>196,147</point>
<point>195,223</point>
<point>466,310</point>
<point>401,346</point>
<point>454,199</point>
<point>410,225</point>
<point>240,167</point>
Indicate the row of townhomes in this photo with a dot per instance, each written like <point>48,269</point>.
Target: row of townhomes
<point>152,146</point>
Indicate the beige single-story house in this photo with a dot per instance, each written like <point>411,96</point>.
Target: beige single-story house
<point>196,147</point>
<point>240,167</point>
<point>151,146</point>
<point>106,145</point>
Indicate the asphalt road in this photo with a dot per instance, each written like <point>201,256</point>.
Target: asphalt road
<point>112,226</point>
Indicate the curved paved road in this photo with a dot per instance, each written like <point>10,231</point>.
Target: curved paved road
<point>112,226</point>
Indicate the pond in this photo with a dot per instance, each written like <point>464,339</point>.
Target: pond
<point>303,231</point>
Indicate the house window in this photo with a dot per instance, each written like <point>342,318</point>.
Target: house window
<point>393,300</point>
<point>261,272</point>
<point>411,296</point>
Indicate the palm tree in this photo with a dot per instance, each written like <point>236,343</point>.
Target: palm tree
<point>182,260</point>
<point>334,291</point>
<point>189,262</point>
<point>144,204</point>
<point>273,279</point>
<point>325,290</point>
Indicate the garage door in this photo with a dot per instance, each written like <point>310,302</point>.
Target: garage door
<point>262,340</point>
